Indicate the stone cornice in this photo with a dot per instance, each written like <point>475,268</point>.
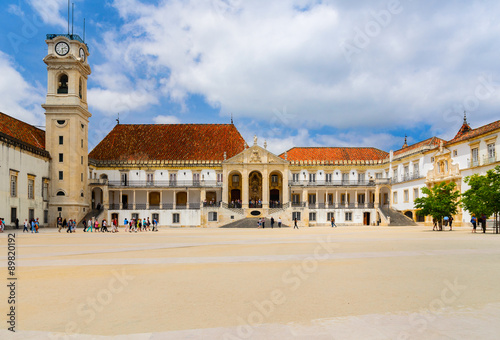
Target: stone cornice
<point>24,146</point>
<point>154,163</point>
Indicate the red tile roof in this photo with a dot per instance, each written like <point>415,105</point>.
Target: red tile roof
<point>475,132</point>
<point>433,141</point>
<point>21,131</point>
<point>169,142</point>
<point>334,154</point>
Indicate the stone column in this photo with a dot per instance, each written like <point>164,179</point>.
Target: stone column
<point>377,197</point>
<point>133,196</point>
<point>336,197</point>
<point>225,186</point>
<point>187,199</point>
<point>174,203</point>
<point>121,200</point>
<point>286,190</point>
<point>356,198</point>
<point>203,196</point>
<point>161,199</point>
<point>244,188</point>
<point>147,199</point>
<point>265,188</point>
<point>326,200</point>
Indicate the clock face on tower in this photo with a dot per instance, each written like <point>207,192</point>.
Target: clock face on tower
<point>62,48</point>
<point>82,54</point>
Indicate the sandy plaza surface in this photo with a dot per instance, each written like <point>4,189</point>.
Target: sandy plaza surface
<point>197,283</point>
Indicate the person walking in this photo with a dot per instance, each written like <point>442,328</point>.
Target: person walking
<point>84,222</point>
<point>17,223</point>
<point>295,223</point>
<point>59,223</point>
<point>279,222</point>
<point>473,220</point>
<point>333,222</point>
<point>259,223</point>
<point>69,226</point>
<point>263,222</point>
<point>25,226</point>
<point>483,223</point>
<point>450,221</point>
<point>272,222</point>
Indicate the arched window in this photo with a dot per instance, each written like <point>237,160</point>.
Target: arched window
<point>61,193</point>
<point>63,84</point>
<point>80,88</point>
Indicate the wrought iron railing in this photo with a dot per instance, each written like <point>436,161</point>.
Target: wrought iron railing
<point>164,184</point>
<point>332,183</point>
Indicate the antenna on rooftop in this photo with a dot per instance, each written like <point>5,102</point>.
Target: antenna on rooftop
<point>465,117</point>
<point>83,29</point>
<point>68,17</point>
<point>231,118</point>
<point>72,18</point>
<point>118,119</point>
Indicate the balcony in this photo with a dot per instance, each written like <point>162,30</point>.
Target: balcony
<point>407,177</point>
<point>336,183</point>
<point>161,184</point>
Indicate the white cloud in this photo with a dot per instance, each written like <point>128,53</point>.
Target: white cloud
<point>166,120</point>
<point>50,11</point>
<point>18,98</point>
<point>254,58</point>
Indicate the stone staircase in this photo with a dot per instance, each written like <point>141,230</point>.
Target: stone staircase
<point>94,213</point>
<point>397,218</point>
<point>251,222</point>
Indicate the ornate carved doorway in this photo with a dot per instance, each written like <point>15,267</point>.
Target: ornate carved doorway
<point>255,186</point>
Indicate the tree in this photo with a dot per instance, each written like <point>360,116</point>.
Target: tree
<point>483,197</point>
<point>439,201</point>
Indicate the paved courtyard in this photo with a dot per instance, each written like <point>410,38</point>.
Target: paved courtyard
<point>311,283</point>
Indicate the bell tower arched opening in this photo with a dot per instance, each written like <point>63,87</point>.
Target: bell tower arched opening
<point>62,84</point>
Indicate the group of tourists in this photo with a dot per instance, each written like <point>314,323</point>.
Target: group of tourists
<point>135,225</point>
<point>2,225</point>
<point>70,225</point>
<point>447,220</point>
<point>481,220</point>
<point>31,225</point>
<point>261,223</point>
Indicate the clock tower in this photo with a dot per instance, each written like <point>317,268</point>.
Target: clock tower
<point>66,126</point>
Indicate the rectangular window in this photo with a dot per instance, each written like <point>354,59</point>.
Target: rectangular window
<point>330,198</point>
<point>274,179</point>
<point>329,216</point>
<point>295,198</point>
<point>45,191</point>
<point>328,178</point>
<point>491,153</point>
<point>312,178</point>
<point>31,214</point>
<point>348,216</point>
<point>31,188</point>
<point>13,185</point>
<point>407,172</point>
<point>295,177</point>
<point>81,160</point>
<point>416,170</point>
<point>345,178</point>
<point>13,215</point>
<point>82,143</point>
<point>81,177</point>
<point>61,140</point>
<point>312,216</point>
<point>124,178</point>
<point>196,179</point>
<point>343,198</point>
<point>173,179</point>
<point>236,179</point>
<point>156,217</point>
<point>455,152</point>
<point>361,198</point>
<point>135,216</point>
<point>296,215</point>
<point>407,195</point>
<point>395,175</point>
<point>175,218</point>
<point>219,178</point>
<point>379,175</point>
<point>395,197</point>
<point>475,157</point>
<point>45,216</point>
<point>150,178</point>
<point>361,178</point>
<point>212,216</point>
<point>61,175</point>
<point>312,199</point>
<point>61,158</point>
<point>415,193</point>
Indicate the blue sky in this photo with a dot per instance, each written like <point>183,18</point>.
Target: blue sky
<point>296,73</point>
